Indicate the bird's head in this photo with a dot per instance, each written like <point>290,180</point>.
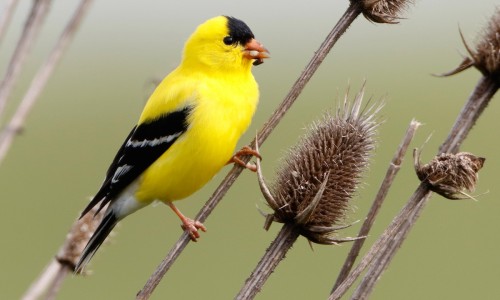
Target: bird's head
<point>224,43</point>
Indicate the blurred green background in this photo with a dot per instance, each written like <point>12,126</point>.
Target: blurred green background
<point>99,89</point>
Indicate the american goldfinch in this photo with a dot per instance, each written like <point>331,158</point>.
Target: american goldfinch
<point>188,129</point>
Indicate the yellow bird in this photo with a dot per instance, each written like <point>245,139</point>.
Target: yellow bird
<point>188,129</point>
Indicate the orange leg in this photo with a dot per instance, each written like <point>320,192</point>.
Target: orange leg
<point>245,151</point>
<point>188,224</point>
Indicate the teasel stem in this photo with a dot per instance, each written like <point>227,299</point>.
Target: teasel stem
<point>384,249</point>
<point>449,175</point>
<point>315,184</point>
<point>381,249</point>
<point>283,242</point>
<point>390,175</point>
<point>9,7</point>
<point>31,29</point>
<point>274,254</point>
<point>479,99</point>
<point>468,116</point>
<point>405,215</point>
<point>50,280</point>
<point>369,281</point>
<point>16,123</point>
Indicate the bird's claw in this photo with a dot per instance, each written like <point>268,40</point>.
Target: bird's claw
<point>245,151</point>
<point>191,227</point>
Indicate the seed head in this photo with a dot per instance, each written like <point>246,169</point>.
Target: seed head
<point>486,55</point>
<point>319,176</point>
<point>78,237</point>
<point>450,174</point>
<point>384,11</point>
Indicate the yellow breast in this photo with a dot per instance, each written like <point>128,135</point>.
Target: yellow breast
<point>222,110</point>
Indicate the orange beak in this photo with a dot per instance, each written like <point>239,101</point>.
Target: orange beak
<point>255,50</point>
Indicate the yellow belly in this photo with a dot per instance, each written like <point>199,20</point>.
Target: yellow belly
<point>207,145</point>
<point>183,169</point>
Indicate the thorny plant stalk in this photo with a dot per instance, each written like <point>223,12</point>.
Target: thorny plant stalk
<point>43,284</point>
<point>484,91</point>
<point>9,7</point>
<point>405,213</point>
<point>30,32</point>
<point>368,282</point>
<point>51,278</point>
<point>16,123</point>
<point>486,58</point>
<point>315,184</point>
<point>346,20</point>
<point>379,199</point>
<point>274,254</point>
<point>382,252</point>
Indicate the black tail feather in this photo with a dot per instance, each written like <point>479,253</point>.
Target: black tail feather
<point>103,230</point>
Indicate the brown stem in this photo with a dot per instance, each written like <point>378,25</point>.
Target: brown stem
<point>56,284</point>
<point>421,194</point>
<point>15,125</point>
<point>371,277</point>
<point>52,277</point>
<point>477,102</point>
<point>50,280</point>
<point>31,29</point>
<point>40,286</point>
<point>274,254</point>
<point>10,6</point>
<point>346,20</point>
<point>390,175</point>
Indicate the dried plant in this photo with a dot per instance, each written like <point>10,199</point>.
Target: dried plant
<point>384,11</point>
<point>450,174</point>
<point>16,123</point>
<point>379,256</point>
<point>64,262</point>
<point>6,16</point>
<point>390,175</point>
<point>315,184</point>
<point>319,176</point>
<point>32,28</point>
<point>486,54</point>
<point>77,238</point>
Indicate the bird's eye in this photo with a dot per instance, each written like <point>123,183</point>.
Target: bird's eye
<point>228,40</point>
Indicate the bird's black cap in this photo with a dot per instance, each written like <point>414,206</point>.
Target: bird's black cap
<point>239,31</point>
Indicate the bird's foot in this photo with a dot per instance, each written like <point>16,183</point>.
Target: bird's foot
<point>245,151</point>
<point>191,227</point>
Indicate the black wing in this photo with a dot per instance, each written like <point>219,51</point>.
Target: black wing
<point>143,146</point>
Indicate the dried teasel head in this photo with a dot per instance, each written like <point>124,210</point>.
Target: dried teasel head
<point>486,55</point>
<point>450,174</point>
<point>383,11</point>
<point>78,237</point>
<point>319,176</point>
